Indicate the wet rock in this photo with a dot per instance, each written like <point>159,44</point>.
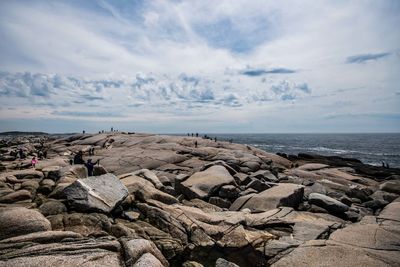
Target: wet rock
<point>19,221</point>
<point>330,204</point>
<point>287,195</point>
<point>97,193</point>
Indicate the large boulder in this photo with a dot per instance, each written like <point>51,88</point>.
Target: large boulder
<point>19,221</point>
<point>97,193</point>
<point>144,190</point>
<point>143,252</point>
<point>19,195</point>
<point>287,195</point>
<point>206,183</point>
<point>391,186</point>
<point>330,204</point>
<point>53,248</point>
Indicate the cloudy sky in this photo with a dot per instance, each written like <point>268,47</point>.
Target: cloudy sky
<point>200,66</point>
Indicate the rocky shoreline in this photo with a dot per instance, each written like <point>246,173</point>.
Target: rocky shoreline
<point>159,200</point>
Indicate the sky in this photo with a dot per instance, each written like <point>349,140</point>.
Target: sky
<point>202,66</point>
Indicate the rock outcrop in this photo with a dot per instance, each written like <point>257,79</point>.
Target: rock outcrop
<point>161,201</point>
<point>97,193</point>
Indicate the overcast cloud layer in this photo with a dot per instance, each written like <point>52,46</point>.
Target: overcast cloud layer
<point>200,66</point>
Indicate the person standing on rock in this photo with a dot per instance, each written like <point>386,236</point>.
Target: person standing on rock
<point>90,166</point>
<point>34,161</point>
<point>78,158</point>
<point>195,144</point>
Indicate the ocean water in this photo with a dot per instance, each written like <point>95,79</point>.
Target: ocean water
<point>369,148</point>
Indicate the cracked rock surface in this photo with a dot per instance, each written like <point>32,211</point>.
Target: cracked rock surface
<point>158,200</point>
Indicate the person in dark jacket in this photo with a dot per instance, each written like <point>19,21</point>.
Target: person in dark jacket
<point>78,159</point>
<point>90,166</point>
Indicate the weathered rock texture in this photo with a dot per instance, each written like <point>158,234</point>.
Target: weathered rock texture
<point>161,201</point>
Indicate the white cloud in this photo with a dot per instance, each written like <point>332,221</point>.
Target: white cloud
<point>127,59</point>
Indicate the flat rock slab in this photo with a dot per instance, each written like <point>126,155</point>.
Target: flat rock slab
<point>97,193</point>
<point>206,183</point>
<point>286,195</point>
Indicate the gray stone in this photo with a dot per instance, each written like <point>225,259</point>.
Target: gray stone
<point>19,221</point>
<point>257,185</point>
<point>220,202</point>
<point>206,183</point>
<point>52,172</point>
<point>229,192</point>
<point>135,249</point>
<point>330,204</point>
<point>391,187</point>
<point>287,195</point>
<point>97,193</point>
<point>19,195</point>
<point>52,207</point>
<point>224,263</point>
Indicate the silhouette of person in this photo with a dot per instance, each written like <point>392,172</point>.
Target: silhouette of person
<point>195,144</point>
<point>90,166</point>
<point>78,159</point>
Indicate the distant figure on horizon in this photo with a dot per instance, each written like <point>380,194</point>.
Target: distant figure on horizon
<point>188,134</point>
<point>192,134</point>
<point>78,159</point>
<point>197,134</point>
<point>230,140</point>
<point>83,132</point>
<point>34,161</point>
<point>215,139</point>
<point>112,129</point>
<point>90,166</point>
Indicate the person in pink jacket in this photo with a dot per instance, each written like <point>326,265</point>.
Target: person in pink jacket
<point>34,161</point>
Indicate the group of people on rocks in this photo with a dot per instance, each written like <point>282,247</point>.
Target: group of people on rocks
<point>205,137</point>
<point>89,164</point>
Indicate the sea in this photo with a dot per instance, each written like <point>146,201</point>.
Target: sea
<point>370,148</point>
